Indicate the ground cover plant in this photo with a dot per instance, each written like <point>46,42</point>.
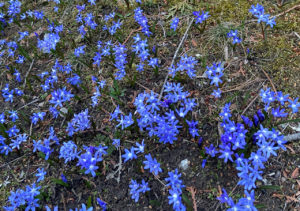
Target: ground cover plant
<point>149,105</point>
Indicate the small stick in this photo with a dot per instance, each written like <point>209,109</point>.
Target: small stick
<point>64,201</point>
<point>292,137</point>
<point>136,30</point>
<point>288,10</point>
<point>28,104</point>
<point>270,81</point>
<point>248,106</point>
<point>30,67</point>
<point>174,57</point>
<point>159,180</point>
<point>193,192</point>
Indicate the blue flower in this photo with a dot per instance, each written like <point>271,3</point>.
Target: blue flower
<point>294,105</point>
<point>140,147</point>
<point>217,93</point>
<point>225,153</point>
<point>277,112</point>
<point>41,174</point>
<point>102,204</point>
<point>271,22</point>
<point>68,151</point>
<point>36,116</point>
<point>267,148</point>
<point>200,17</point>
<point>152,164</point>
<point>174,23</point>
<point>174,180</point>
<point>116,142</point>
<point>13,115</point>
<point>79,50</point>
<point>134,190</point>
<point>256,10</point>
<point>129,155</point>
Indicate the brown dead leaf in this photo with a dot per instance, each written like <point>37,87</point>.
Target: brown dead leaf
<point>277,195</point>
<point>295,173</point>
<point>285,174</point>
<point>220,190</point>
<point>9,76</point>
<point>291,199</point>
<point>194,43</point>
<point>291,149</point>
<point>298,182</point>
<point>48,98</point>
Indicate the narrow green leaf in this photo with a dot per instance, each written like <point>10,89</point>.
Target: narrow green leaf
<point>60,182</point>
<point>270,187</point>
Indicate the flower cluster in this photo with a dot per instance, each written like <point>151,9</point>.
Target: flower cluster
<point>68,151</point>
<point>37,116</point>
<point>200,17</point>
<point>259,12</point>
<point>60,96</point>
<point>265,142</point>
<point>175,192</point>
<point>114,26</point>
<point>90,158</point>
<point>49,42</point>
<point>25,197</point>
<point>186,63</point>
<point>152,164</point>
<point>97,94</point>
<point>45,146</point>
<point>136,189</point>
<point>80,122</point>
<point>244,203</point>
<point>130,154</point>
<point>234,35</point>
<point>268,97</point>
<point>124,121</point>
<point>142,21</point>
<point>8,94</point>
<point>174,23</point>
<point>120,60</point>
<point>214,73</point>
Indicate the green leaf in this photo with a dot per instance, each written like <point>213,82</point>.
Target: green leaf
<point>110,150</point>
<point>89,202</point>
<point>2,131</point>
<point>260,206</point>
<point>187,201</point>
<point>24,53</point>
<point>154,203</point>
<point>270,187</point>
<point>288,121</point>
<point>41,155</point>
<point>60,182</point>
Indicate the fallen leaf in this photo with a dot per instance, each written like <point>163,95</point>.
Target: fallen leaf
<point>277,195</point>
<point>220,190</point>
<point>285,174</point>
<point>298,181</point>
<point>290,148</point>
<point>194,43</point>
<point>295,173</point>
<point>48,98</point>
<point>291,199</point>
<point>9,76</point>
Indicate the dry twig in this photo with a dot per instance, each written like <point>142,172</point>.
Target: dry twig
<point>193,192</point>
<point>174,57</point>
<point>28,71</point>
<point>287,11</point>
